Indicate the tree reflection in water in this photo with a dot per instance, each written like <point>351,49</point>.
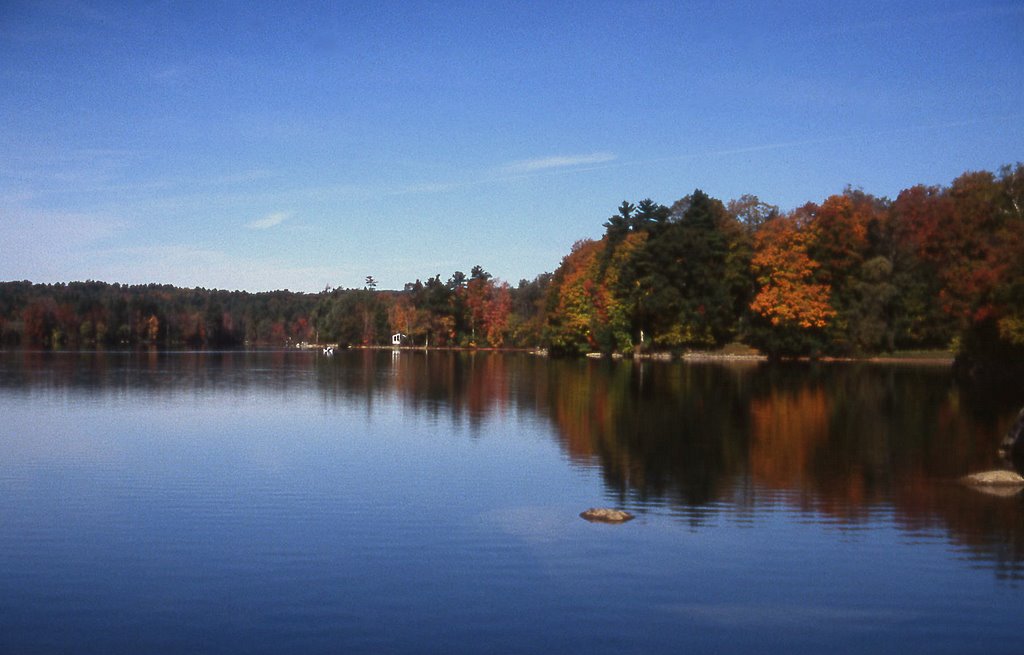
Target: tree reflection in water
<point>844,441</point>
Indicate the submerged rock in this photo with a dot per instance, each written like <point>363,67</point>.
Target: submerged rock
<point>606,515</point>
<point>997,478</point>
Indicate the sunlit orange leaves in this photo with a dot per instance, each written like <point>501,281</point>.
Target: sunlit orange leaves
<point>840,229</point>
<point>787,293</point>
<point>497,312</point>
<point>577,297</point>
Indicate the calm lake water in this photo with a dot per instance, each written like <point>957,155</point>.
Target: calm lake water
<point>375,502</point>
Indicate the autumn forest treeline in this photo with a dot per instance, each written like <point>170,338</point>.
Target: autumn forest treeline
<point>938,267</point>
<point>856,274</point>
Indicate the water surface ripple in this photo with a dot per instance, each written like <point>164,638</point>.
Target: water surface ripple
<point>268,502</point>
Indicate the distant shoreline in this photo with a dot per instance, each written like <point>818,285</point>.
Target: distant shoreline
<point>929,358</point>
<point>932,358</point>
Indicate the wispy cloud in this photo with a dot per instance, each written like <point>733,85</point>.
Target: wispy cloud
<point>269,221</point>
<point>44,229</point>
<point>558,161</point>
<point>824,140</point>
<point>48,246</point>
<point>429,187</point>
<point>202,265</point>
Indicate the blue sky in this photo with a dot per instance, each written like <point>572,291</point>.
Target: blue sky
<point>262,146</point>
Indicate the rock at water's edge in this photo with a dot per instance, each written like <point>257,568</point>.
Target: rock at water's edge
<point>994,478</point>
<point>606,515</point>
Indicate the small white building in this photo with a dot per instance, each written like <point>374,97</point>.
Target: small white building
<point>397,338</point>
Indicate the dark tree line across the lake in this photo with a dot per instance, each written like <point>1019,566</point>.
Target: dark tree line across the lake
<point>466,310</point>
<point>939,266</point>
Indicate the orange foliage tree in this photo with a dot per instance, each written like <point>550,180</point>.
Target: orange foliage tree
<point>576,301</point>
<point>497,310</point>
<point>793,308</point>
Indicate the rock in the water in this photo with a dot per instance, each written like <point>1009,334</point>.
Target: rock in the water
<point>994,478</point>
<point>606,515</point>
